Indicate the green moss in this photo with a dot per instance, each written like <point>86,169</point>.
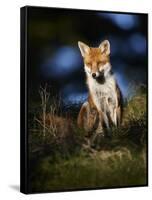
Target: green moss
<point>104,169</point>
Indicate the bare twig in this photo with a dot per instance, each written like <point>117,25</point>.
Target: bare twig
<point>46,128</point>
<point>44,99</point>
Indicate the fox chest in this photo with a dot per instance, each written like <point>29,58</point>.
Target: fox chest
<point>104,95</point>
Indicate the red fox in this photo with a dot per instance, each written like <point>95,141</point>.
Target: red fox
<point>104,105</point>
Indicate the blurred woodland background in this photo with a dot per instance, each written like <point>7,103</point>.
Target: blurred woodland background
<point>58,159</point>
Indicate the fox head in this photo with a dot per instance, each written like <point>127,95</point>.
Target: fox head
<point>96,60</point>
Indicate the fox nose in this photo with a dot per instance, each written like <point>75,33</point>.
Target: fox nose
<point>93,75</point>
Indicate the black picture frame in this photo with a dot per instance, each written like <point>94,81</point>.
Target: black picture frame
<point>24,70</point>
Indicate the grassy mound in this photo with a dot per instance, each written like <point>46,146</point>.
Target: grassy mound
<point>61,160</point>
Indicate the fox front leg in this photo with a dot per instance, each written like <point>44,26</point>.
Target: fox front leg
<point>112,111</point>
<point>87,118</point>
<point>99,132</point>
<point>99,129</point>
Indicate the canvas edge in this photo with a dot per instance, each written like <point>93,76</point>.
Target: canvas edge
<point>23,102</point>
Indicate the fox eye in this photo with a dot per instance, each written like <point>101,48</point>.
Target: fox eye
<point>88,64</point>
<point>100,63</point>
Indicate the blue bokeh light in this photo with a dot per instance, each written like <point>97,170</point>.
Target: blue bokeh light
<point>76,98</point>
<point>64,61</point>
<point>73,93</point>
<point>123,21</point>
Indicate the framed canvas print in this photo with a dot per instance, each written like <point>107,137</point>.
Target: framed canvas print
<point>84,99</point>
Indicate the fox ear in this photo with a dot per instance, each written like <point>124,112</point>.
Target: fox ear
<point>83,48</point>
<point>105,47</point>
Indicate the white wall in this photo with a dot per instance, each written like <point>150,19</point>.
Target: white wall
<point>10,98</point>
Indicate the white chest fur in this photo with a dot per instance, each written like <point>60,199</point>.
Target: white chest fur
<point>104,95</point>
